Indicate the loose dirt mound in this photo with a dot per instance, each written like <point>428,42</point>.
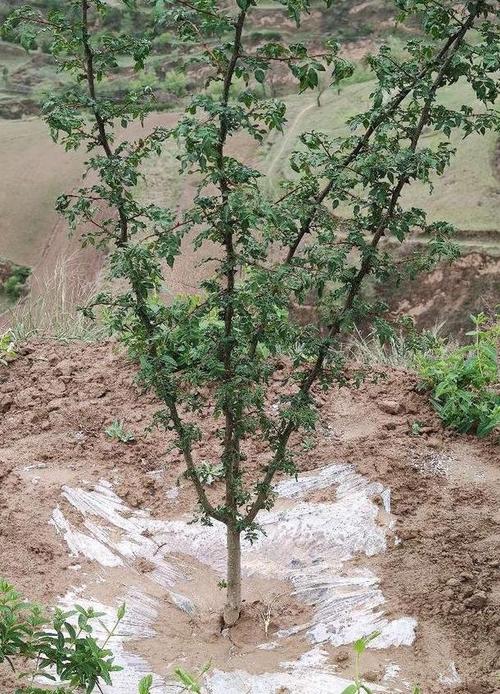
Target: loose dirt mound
<point>55,402</point>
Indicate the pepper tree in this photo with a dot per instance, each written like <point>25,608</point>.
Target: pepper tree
<point>224,349</point>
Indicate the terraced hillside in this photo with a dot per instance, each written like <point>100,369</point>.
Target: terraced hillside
<point>35,170</point>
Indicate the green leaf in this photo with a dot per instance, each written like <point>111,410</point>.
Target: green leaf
<point>121,612</point>
<point>145,684</point>
<point>260,75</point>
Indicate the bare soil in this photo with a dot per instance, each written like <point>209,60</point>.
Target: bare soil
<point>450,294</point>
<point>55,402</point>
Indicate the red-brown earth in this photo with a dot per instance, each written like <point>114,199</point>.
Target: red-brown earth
<point>57,399</point>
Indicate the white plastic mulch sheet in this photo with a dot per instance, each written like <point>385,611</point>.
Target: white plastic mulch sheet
<point>307,543</point>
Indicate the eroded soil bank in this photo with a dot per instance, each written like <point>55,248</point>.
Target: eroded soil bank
<point>441,566</point>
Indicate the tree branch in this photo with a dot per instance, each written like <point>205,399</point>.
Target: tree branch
<point>387,112</point>
<point>365,268</point>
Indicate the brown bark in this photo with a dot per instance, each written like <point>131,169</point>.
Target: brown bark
<point>232,608</point>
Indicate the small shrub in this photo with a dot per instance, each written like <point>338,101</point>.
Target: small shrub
<point>7,347</point>
<point>175,82</point>
<point>265,35</point>
<point>63,645</point>
<point>15,284</point>
<point>117,432</point>
<point>464,381</point>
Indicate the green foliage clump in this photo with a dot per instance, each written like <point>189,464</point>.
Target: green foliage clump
<point>7,347</point>
<point>117,432</point>
<point>464,381</point>
<point>14,285</point>
<point>265,35</point>
<point>61,648</point>
<point>176,82</point>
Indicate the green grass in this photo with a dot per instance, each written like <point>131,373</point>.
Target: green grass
<point>467,195</point>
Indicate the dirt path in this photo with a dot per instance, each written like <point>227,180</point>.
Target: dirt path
<point>57,399</point>
<point>291,132</point>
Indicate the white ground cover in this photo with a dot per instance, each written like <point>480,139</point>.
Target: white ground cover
<point>309,544</point>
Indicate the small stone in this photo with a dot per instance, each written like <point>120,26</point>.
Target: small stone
<point>476,601</point>
<point>56,387</point>
<point>434,442</point>
<point>390,406</point>
<point>98,390</point>
<point>447,607</point>
<point>64,367</point>
<point>453,582</point>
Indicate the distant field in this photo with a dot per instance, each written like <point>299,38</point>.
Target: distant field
<point>34,172</point>
<point>468,194</point>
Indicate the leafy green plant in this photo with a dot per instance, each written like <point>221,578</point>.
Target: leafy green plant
<point>359,648</point>
<point>117,432</point>
<point>189,682</point>
<point>15,284</point>
<point>358,686</point>
<point>464,381</point>
<point>225,354</point>
<point>175,82</point>
<point>7,347</point>
<point>61,648</point>
<point>416,428</point>
<point>145,684</point>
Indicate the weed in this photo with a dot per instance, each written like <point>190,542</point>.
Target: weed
<point>416,428</point>
<point>117,432</point>
<point>267,612</point>
<point>464,381</point>
<point>309,443</point>
<point>359,648</point>
<point>396,350</point>
<point>175,82</point>
<point>7,347</point>
<point>210,473</point>
<point>51,307</point>
<point>358,686</point>
<point>145,684</point>
<point>189,682</point>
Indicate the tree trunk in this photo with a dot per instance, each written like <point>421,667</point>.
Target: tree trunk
<point>232,607</point>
